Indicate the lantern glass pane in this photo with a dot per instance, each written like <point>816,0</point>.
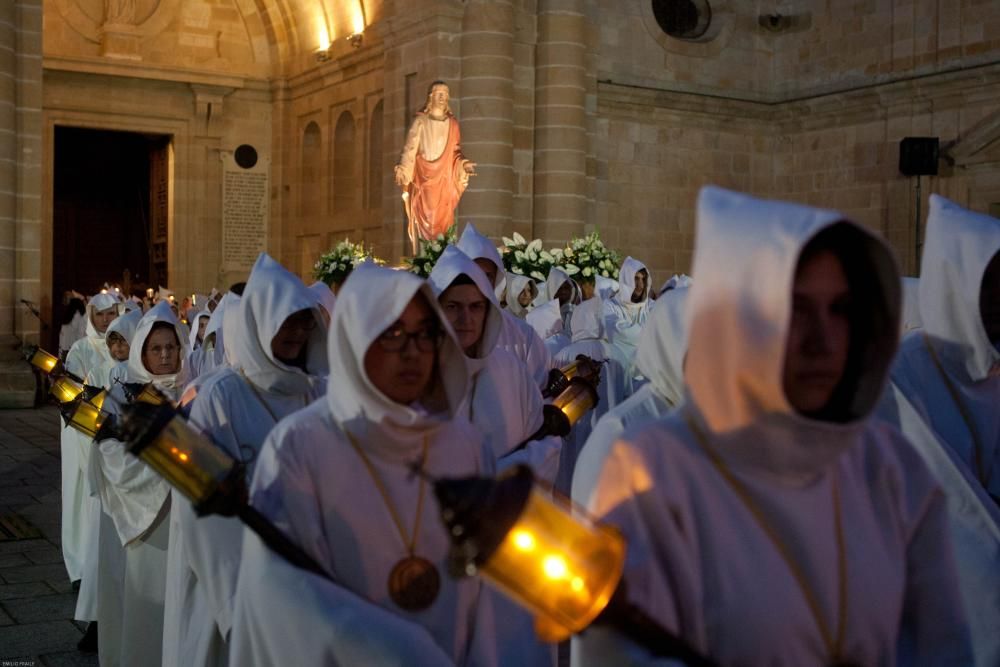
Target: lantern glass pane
<point>559,563</point>
<point>575,401</point>
<point>87,418</point>
<point>187,460</point>
<point>65,390</point>
<point>44,361</point>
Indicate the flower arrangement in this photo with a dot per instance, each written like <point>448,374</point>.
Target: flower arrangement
<point>334,266</point>
<point>528,259</point>
<point>591,258</point>
<point>583,258</point>
<point>423,263</point>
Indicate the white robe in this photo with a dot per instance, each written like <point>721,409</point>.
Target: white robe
<point>623,319</point>
<point>106,375</point>
<point>699,560</point>
<point>355,631</point>
<point>505,403</point>
<point>78,516</point>
<point>204,555</point>
<point>547,323</point>
<point>312,483</point>
<point>958,247</point>
<point>613,388</point>
<point>660,358</point>
<point>517,337</point>
<point>137,502</point>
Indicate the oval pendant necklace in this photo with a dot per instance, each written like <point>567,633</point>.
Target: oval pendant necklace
<point>414,582</point>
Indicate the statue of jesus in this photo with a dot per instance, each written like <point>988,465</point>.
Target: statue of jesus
<point>432,171</point>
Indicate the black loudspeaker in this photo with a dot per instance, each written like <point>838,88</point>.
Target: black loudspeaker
<point>918,156</point>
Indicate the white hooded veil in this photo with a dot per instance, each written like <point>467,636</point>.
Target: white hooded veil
<point>663,484</point>
<point>273,293</point>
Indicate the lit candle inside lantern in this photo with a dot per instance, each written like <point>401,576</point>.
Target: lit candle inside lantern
<point>549,557</point>
<point>576,400</point>
<point>85,417</point>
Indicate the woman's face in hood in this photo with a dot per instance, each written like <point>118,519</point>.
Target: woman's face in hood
<point>288,344</point>
<point>489,268</point>
<point>103,318</point>
<point>118,346</point>
<point>161,353</point>
<point>565,293</point>
<point>527,295</point>
<point>400,362</point>
<point>819,333</point>
<point>466,308</point>
<point>641,286</point>
<point>989,300</point>
<point>202,325</point>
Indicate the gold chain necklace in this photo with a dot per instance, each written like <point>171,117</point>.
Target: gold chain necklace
<point>834,642</point>
<point>414,582</point>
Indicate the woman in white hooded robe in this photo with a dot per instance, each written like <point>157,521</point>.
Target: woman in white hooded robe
<point>625,313</point>
<point>505,406</point>
<point>135,526</point>
<point>213,345</point>
<point>547,322</point>
<point>516,335</point>
<point>519,286</point>
<point>335,477</point>
<point>105,375</point>
<point>196,342</point>
<point>560,288</point>
<point>237,409</point>
<point>945,398</point>
<point>504,402</point>
<point>660,357</point>
<point>84,356</point>
<point>770,520</point>
<point>613,388</point>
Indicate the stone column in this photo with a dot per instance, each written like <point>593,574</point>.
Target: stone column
<point>560,187</point>
<point>20,188</point>
<point>487,117</point>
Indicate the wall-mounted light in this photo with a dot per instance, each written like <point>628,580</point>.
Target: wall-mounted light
<point>322,55</point>
<point>356,39</point>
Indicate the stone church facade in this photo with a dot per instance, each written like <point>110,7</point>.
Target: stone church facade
<point>581,114</point>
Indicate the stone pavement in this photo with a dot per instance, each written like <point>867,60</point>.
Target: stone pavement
<point>36,599</point>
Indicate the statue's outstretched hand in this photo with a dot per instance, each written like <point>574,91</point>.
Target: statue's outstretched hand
<point>400,176</point>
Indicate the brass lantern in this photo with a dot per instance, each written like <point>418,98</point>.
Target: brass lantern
<point>566,409</point>
<point>136,392</point>
<point>42,360</point>
<point>583,367</point>
<point>64,389</point>
<point>550,557</point>
<point>87,418</point>
<point>212,480</point>
<point>191,463</point>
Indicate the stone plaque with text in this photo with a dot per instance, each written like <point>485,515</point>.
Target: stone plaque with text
<point>244,212</point>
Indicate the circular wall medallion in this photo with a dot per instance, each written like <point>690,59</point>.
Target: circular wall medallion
<point>246,156</point>
<point>683,19</point>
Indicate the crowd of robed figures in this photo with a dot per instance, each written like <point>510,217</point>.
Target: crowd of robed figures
<point>795,486</point>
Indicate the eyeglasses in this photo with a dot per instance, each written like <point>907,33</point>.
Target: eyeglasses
<point>396,339</point>
<point>300,321</point>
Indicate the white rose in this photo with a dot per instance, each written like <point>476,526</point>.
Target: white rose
<point>587,271</point>
<point>518,239</point>
<point>517,270</point>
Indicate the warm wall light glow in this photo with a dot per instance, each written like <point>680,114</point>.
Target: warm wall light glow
<point>324,36</point>
<point>359,23</point>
